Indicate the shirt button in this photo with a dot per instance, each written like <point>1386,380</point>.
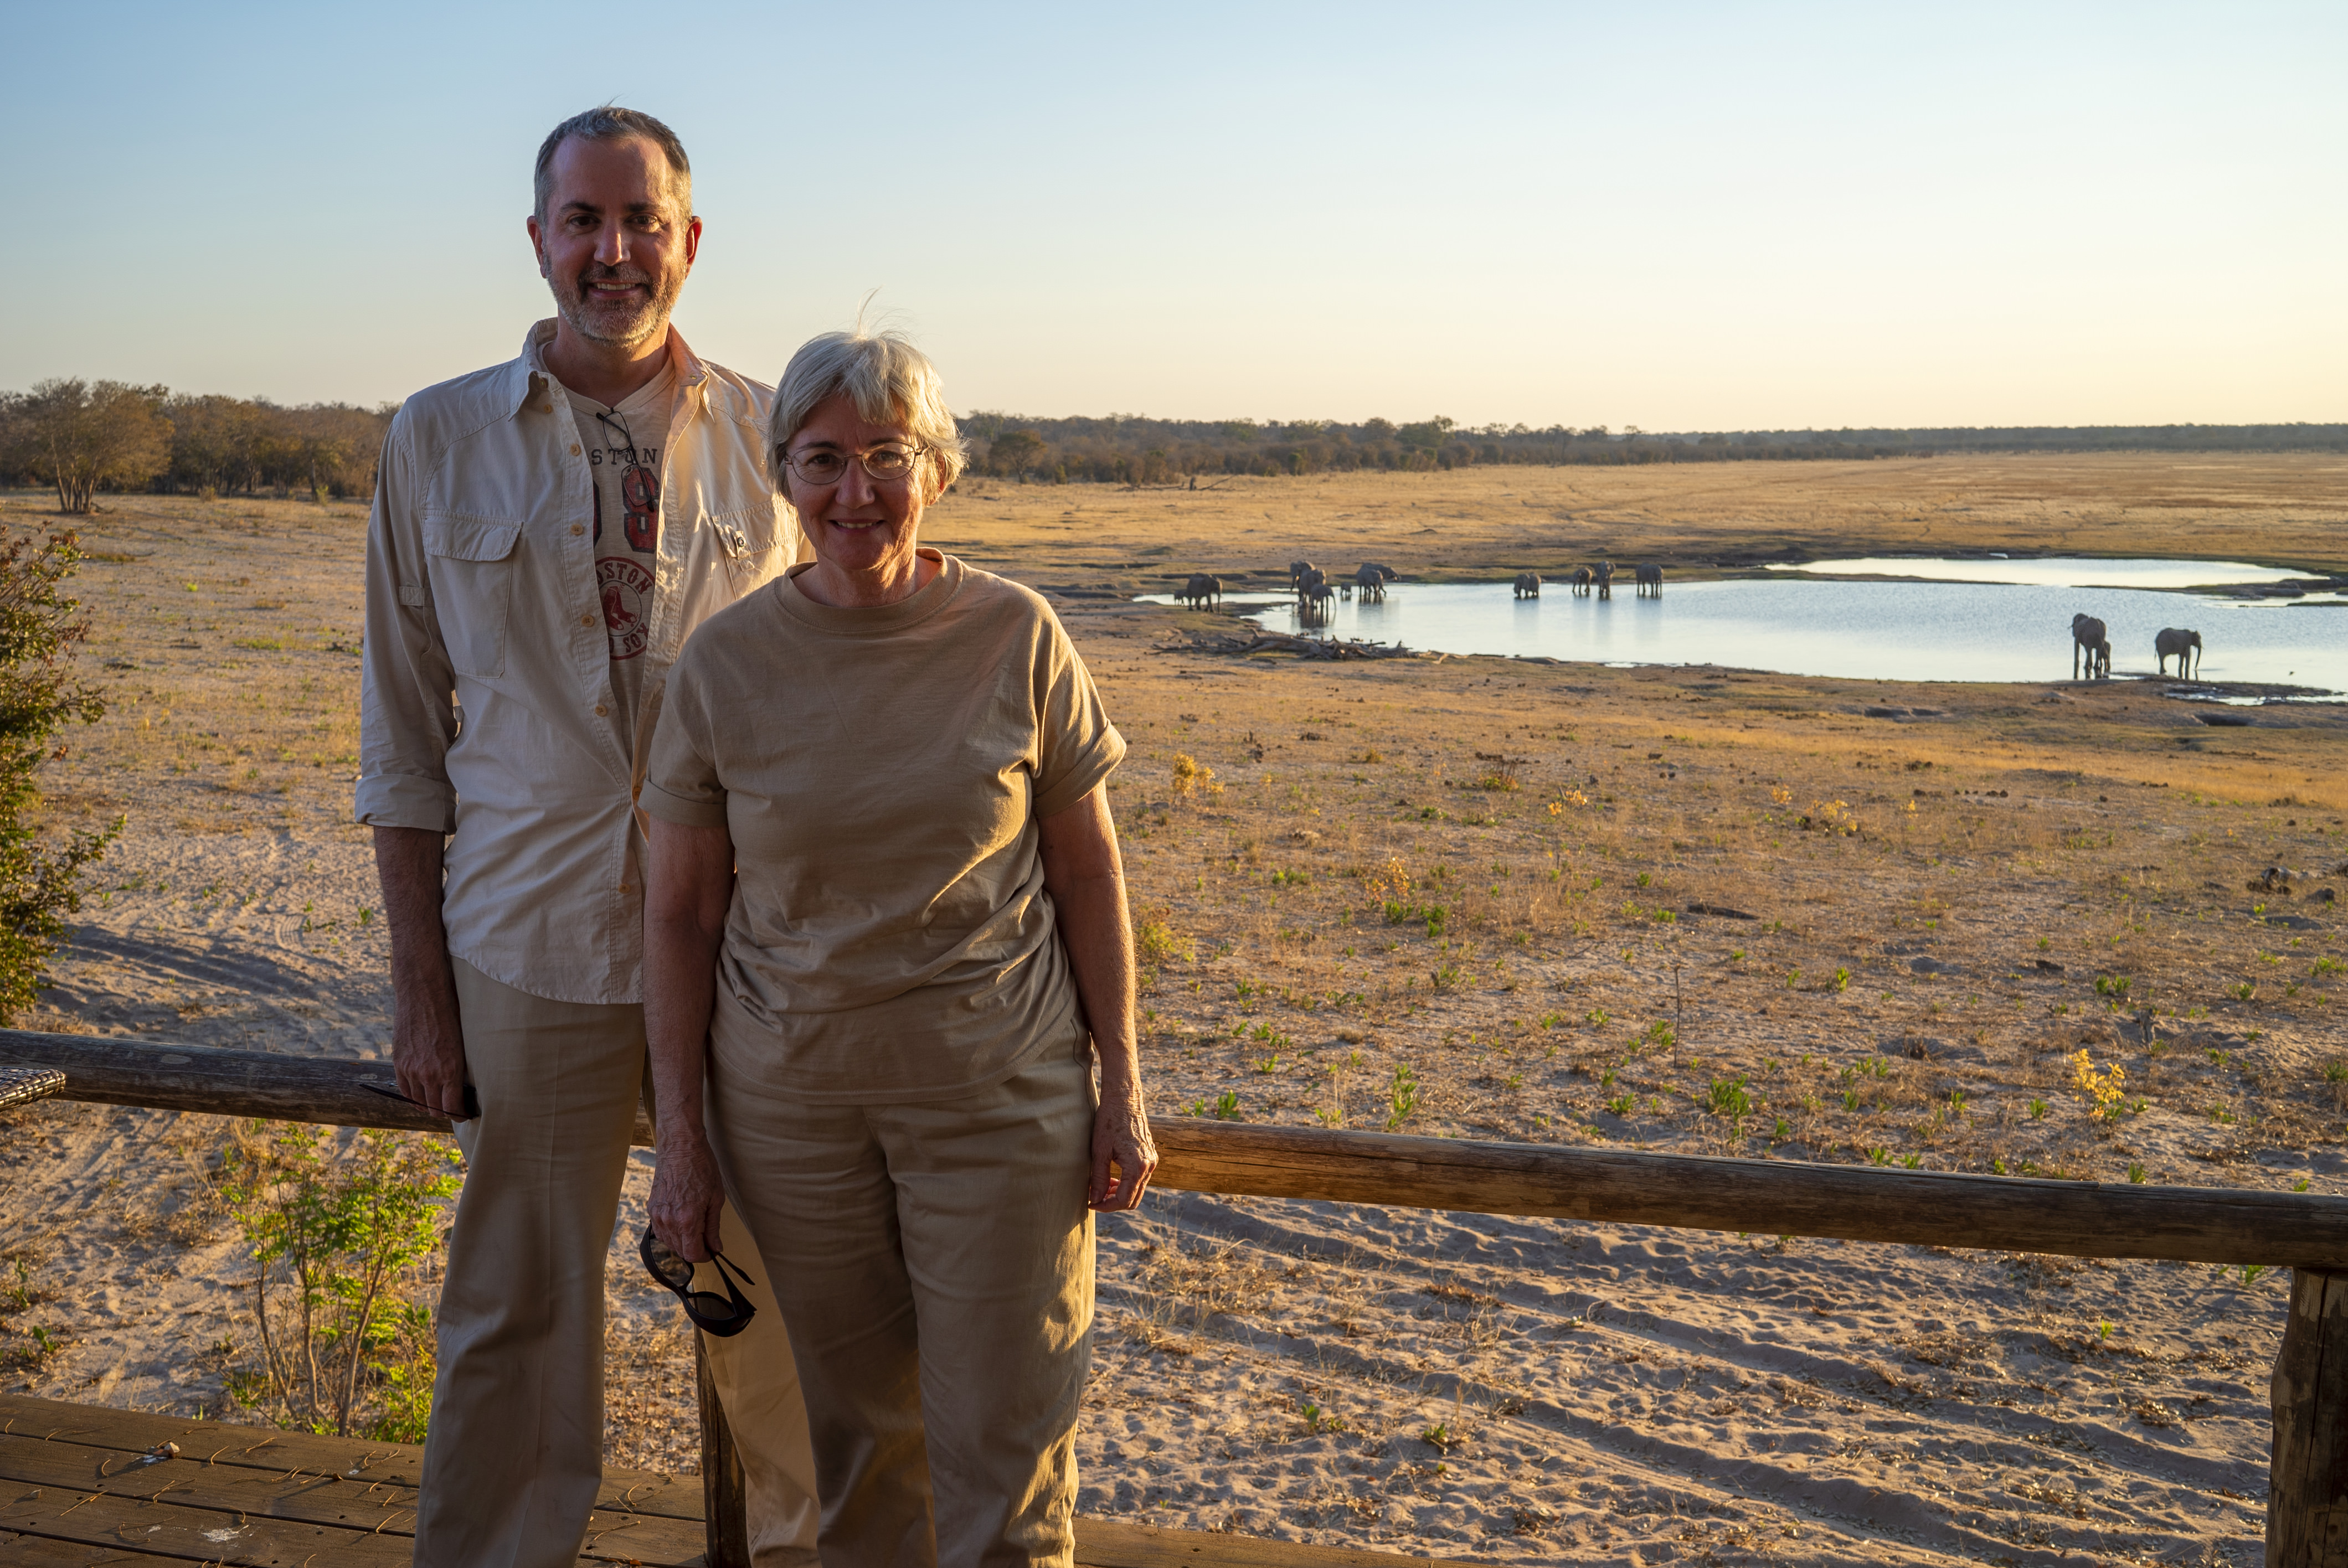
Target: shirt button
<point>574,449</point>
<point>598,710</point>
<point>586,620</point>
<point>578,528</point>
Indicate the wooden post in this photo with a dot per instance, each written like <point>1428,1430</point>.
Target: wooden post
<point>2307,1474</point>
<point>722,1493</point>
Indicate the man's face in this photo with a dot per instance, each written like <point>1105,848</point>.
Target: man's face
<point>611,244</point>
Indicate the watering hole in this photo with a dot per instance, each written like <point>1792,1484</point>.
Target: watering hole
<point>1899,630</point>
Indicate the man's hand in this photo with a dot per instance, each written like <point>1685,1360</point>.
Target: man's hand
<point>687,1193</point>
<point>427,1037</point>
<point>1120,1136</point>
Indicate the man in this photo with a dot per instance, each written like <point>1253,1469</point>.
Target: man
<point>546,534</point>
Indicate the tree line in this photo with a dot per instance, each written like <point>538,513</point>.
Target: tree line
<point>1132,450</point>
<point>81,438</point>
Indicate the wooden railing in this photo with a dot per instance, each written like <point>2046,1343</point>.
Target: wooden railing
<point>2307,1506</point>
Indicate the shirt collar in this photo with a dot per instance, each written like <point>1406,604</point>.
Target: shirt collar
<point>528,377</point>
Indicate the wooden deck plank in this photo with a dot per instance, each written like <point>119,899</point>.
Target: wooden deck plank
<point>74,1495</point>
<point>166,1530</point>
<point>268,1449</point>
<point>33,1551</point>
<point>315,1497</point>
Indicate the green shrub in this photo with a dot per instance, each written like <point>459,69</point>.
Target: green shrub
<point>41,628</point>
<point>337,1235</point>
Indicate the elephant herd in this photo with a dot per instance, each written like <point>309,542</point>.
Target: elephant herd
<point>2091,641</point>
<point>1648,575</point>
<point>1315,589</point>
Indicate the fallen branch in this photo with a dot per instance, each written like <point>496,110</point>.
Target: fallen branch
<point>1283,642</point>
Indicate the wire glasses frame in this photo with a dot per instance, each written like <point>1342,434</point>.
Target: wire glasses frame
<point>823,467</point>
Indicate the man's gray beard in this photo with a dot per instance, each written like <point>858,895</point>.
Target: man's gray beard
<point>653,318</point>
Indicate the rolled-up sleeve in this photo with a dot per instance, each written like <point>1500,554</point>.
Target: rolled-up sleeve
<point>682,781</point>
<point>407,715</point>
<point>1077,747</point>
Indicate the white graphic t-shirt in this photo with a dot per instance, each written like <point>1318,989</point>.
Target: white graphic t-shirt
<point>623,447</point>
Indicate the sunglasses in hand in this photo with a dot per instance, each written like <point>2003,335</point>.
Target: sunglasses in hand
<point>472,1101</point>
<point>723,1316</point>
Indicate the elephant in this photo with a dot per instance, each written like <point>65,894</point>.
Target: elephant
<point>1313,599</point>
<point>1383,569</point>
<point>1201,590</point>
<point>1527,585</point>
<point>1372,581</point>
<point>2087,635</point>
<point>2184,644</point>
<point>1296,570</point>
<point>1650,578</point>
<point>1581,580</point>
<point>1605,576</point>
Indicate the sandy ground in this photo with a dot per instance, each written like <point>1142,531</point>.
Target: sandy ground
<point>1445,898</point>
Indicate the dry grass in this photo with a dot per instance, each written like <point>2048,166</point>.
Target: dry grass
<point>1356,921</point>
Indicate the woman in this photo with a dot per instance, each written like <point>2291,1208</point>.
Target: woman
<point>884,888</point>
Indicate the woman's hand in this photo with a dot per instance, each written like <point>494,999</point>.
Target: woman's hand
<point>687,1193</point>
<point>1120,1138</point>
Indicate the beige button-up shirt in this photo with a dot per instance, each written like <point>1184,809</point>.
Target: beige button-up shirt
<point>485,700</point>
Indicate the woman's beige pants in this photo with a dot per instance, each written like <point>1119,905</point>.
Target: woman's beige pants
<point>514,1455</point>
<point>935,1264</point>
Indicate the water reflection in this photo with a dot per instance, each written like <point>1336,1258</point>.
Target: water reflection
<point>2051,571</point>
<point>1890,631</point>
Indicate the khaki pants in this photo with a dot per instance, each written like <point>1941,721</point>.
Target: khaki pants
<point>935,1264</point>
<point>513,1457</point>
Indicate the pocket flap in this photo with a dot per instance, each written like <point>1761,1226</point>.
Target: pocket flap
<point>745,533</point>
<point>470,539</point>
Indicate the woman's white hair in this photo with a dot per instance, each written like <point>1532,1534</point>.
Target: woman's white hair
<point>889,381</point>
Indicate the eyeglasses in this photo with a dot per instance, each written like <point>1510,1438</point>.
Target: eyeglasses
<point>723,1316</point>
<point>822,465</point>
<point>639,489</point>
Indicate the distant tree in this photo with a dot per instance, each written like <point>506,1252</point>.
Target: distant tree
<point>77,436</point>
<point>1015,452</point>
<point>40,883</point>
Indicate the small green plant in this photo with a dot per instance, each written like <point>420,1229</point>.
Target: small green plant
<point>1439,1438</point>
<point>2113,986</point>
<point>2136,1170</point>
<point>2037,1109</point>
<point>1879,1155</point>
<point>2103,1330</point>
<point>2251,1272</point>
<point>1841,979</point>
<point>1621,1104</point>
<point>1155,943</point>
<point>1911,1161</point>
<point>2245,991</point>
<point>1850,1098</point>
<point>1785,1130</point>
<point>1728,1097</point>
<point>338,1234</point>
<point>1227,1106</point>
<point>2301,1185</point>
<point>2335,1071</point>
<point>1267,1064</point>
<point>1402,1097</point>
<point>1596,1018</point>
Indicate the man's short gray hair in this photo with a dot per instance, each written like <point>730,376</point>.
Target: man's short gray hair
<point>889,381</point>
<point>612,123</point>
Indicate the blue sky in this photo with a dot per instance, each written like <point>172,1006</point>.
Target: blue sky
<point>1674,216</point>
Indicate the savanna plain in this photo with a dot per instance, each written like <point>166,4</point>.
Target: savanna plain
<point>1949,927</point>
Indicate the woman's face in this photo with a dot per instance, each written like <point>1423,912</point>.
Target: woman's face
<point>857,525</point>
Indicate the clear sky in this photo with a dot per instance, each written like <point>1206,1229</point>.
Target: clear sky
<point>1673,216</point>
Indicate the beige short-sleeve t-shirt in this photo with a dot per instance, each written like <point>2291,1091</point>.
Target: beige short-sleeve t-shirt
<point>881,772</point>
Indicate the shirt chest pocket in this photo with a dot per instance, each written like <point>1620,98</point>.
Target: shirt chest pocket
<point>471,563</point>
<point>746,540</point>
